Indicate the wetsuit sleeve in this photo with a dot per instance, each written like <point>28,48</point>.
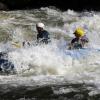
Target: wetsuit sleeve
<point>46,35</point>
<point>85,39</point>
<point>37,36</point>
<point>71,44</point>
<point>73,40</point>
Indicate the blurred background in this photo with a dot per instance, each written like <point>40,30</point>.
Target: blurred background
<point>61,4</point>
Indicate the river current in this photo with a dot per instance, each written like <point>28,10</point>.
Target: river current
<point>50,72</point>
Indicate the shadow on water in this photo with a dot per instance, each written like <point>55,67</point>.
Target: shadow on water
<point>49,92</point>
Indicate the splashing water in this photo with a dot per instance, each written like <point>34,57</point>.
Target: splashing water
<point>54,59</point>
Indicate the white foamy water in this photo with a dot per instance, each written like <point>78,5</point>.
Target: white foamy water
<point>53,62</point>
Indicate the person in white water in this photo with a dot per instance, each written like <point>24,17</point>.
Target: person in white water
<point>43,35</point>
<point>80,39</point>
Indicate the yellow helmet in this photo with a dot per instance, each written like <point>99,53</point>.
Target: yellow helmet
<point>80,32</point>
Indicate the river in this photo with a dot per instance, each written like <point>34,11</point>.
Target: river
<point>50,72</point>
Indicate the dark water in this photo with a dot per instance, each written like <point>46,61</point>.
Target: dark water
<point>68,91</point>
<point>70,4</point>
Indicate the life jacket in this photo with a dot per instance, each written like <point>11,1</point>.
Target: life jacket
<point>79,43</point>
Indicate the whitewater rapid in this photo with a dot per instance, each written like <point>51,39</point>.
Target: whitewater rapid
<point>52,63</point>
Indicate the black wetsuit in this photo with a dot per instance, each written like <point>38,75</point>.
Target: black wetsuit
<point>78,43</point>
<point>43,37</point>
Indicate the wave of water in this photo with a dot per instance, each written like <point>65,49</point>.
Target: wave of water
<point>53,62</point>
